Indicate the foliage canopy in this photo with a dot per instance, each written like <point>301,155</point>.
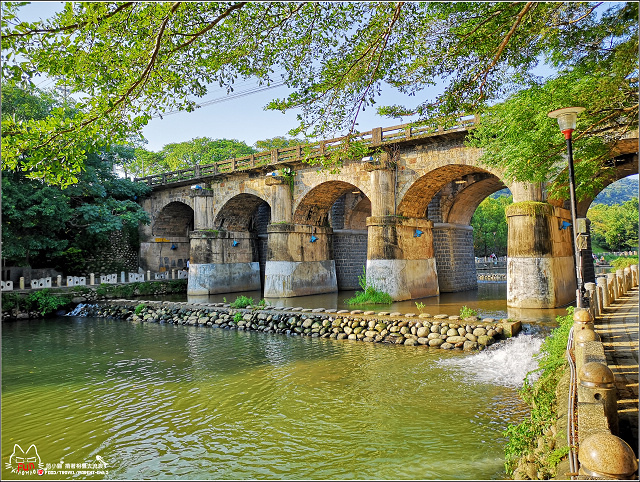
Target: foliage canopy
<point>129,61</point>
<point>46,225</point>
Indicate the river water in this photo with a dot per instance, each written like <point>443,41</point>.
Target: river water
<point>159,401</point>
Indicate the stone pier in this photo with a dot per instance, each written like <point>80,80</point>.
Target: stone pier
<point>540,267</point>
<point>223,262</point>
<point>299,261</point>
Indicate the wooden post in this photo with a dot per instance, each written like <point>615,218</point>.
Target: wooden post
<point>376,136</point>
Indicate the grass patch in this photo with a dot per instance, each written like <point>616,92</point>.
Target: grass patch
<point>369,295</point>
<point>466,312</point>
<point>241,302</point>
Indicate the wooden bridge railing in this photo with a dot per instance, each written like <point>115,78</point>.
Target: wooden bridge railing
<point>373,138</point>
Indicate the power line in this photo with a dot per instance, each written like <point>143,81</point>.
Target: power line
<point>227,97</point>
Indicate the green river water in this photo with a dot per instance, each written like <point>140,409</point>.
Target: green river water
<point>159,401</point>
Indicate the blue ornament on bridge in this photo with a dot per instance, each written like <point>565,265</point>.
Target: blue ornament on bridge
<point>235,243</point>
<point>565,225</point>
<point>417,234</point>
<point>313,238</point>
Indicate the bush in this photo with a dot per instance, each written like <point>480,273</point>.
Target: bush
<point>622,262</point>
<point>10,301</point>
<point>237,317</point>
<point>138,309</point>
<point>44,302</point>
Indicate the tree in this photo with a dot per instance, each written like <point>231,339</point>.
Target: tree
<point>167,54</point>
<point>202,150</point>
<point>615,227</point>
<point>490,226</point>
<point>44,225</point>
<point>279,142</point>
<point>182,155</point>
<point>618,192</point>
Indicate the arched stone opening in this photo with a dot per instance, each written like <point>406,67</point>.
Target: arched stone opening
<point>249,214</point>
<point>417,197</point>
<point>448,196</point>
<point>343,208</point>
<point>314,208</point>
<point>348,218</point>
<point>167,248</point>
<point>175,219</point>
<point>240,213</point>
<point>226,258</point>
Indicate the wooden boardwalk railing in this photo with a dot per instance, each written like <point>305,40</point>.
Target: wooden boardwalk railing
<point>376,137</point>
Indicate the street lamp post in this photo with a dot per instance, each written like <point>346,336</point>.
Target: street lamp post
<point>567,118</point>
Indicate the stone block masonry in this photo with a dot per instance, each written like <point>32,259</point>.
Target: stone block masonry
<point>455,259</point>
<point>350,254</point>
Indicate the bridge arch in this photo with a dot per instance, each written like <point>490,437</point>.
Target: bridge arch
<point>415,198</point>
<point>174,219</point>
<point>239,213</point>
<point>315,206</point>
<point>624,167</point>
<point>465,202</point>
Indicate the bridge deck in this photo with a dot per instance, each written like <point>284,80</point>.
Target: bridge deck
<point>618,329</point>
<point>379,136</point>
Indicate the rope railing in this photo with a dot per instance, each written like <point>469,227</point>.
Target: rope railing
<point>373,138</point>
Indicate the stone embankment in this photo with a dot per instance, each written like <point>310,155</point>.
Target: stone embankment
<point>439,331</point>
<point>589,424</point>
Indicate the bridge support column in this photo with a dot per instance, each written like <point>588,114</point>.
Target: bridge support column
<point>299,261</point>
<point>222,262</point>
<point>455,258</point>
<point>540,264</point>
<point>400,258</point>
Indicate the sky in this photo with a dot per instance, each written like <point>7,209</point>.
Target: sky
<point>239,117</point>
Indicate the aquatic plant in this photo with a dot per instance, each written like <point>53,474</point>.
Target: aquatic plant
<point>242,302</point>
<point>466,312</point>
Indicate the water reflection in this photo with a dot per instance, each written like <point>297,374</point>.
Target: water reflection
<point>489,300</point>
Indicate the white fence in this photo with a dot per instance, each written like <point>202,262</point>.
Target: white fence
<point>41,283</point>
<point>104,279</point>
<point>110,279</point>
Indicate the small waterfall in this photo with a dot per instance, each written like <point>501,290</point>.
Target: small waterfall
<point>506,363</point>
<point>80,310</point>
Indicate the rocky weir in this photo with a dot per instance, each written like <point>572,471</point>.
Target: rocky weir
<point>434,331</point>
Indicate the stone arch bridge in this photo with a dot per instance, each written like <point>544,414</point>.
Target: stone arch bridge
<point>404,213</point>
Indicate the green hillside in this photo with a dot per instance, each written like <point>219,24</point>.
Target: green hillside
<point>618,192</point>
